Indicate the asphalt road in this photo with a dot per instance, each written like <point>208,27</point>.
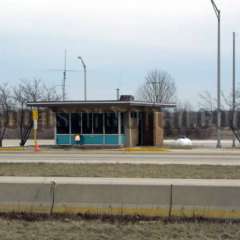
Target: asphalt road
<point>196,143</point>
<point>188,157</point>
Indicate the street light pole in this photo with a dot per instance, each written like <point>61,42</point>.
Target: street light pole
<point>85,77</point>
<point>218,14</point>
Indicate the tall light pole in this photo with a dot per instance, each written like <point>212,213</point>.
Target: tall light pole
<point>234,89</point>
<point>85,77</point>
<point>218,14</point>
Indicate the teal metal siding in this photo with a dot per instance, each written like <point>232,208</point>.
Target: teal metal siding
<point>123,139</point>
<point>111,139</point>
<point>63,139</point>
<point>90,139</point>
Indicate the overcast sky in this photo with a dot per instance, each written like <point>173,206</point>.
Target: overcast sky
<point>120,42</point>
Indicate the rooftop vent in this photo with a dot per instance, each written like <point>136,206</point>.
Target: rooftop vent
<point>126,98</point>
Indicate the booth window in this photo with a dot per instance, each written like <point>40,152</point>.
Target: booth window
<point>111,123</point>
<point>122,124</point>
<point>97,123</point>
<point>76,123</point>
<point>62,123</point>
<point>87,123</point>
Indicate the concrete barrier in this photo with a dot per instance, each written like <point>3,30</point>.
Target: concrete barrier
<point>25,196</point>
<point>148,197</point>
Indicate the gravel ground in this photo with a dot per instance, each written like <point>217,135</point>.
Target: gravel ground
<point>120,170</point>
<point>91,230</point>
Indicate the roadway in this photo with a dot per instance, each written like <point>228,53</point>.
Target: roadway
<point>183,157</point>
<point>171,142</point>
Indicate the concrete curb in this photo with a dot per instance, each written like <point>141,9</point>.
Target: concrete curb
<point>146,197</point>
<point>12,149</point>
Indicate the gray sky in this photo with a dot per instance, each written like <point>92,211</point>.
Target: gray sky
<point>119,40</point>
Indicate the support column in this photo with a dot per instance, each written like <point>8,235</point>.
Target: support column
<point>70,128</point>
<point>55,127</point>
<point>81,123</point>
<point>104,131</point>
<point>119,128</point>
<point>158,130</point>
<point>128,129</point>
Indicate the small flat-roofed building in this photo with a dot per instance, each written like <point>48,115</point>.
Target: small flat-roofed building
<point>116,123</point>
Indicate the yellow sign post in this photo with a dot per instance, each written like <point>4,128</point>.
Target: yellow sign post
<point>35,114</point>
<point>35,126</point>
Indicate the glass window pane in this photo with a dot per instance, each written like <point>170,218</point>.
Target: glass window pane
<point>122,124</point>
<point>87,123</point>
<point>62,123</point>
<point>76,123</point>
<point>97,123</point>
<point>111,123</point>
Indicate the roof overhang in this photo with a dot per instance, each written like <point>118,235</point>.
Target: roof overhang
<point>105,104</point>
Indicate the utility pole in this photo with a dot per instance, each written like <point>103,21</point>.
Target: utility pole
<point>218,14</point>
<point>234,90</point>
<point>85,77</point>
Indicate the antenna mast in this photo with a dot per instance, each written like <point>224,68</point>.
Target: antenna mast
<point>64,71</point>
<point>64,76</point>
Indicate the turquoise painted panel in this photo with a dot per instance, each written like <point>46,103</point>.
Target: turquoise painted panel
<point>91,139</point>
<point>111,139</point>
<point>63,139</point>
<point>88,139</point>
<point>123,139</point>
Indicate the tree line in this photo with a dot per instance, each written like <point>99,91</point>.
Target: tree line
<point>16,99</point>
<point>159,86</point>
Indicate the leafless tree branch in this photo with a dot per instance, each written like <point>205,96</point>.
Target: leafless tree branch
<point>5,106</point>
<point>159,87</point>
<point>31,91</point>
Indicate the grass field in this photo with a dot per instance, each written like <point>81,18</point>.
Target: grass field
<point>91,230</point>
<point>120,170</point>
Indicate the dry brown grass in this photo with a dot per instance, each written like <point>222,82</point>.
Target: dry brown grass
<point>120,170</point>
<point>91,230</point>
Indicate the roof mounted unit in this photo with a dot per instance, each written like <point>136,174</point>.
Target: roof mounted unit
<point>127,98</point>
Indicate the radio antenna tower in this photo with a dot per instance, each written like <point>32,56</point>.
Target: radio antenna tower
<point>64,76</point>
<point>64,70</point>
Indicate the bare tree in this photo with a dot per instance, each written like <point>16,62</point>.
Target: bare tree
<point>207,102</point>
<point>30,91</point>
<point>185,106</point>
<point>228,100</point>
<point>159,87</point>
<point>5,106</point>
<point>233,108</point>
